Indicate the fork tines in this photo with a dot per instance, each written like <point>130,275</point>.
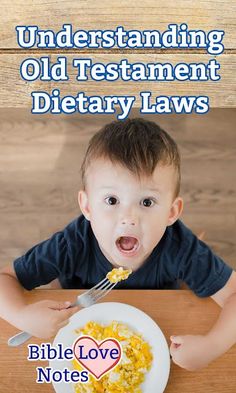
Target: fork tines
<point>105,288</point>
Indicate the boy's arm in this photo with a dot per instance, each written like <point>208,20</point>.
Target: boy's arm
<point>11,294</point>
<point>223,333</point>
<point>29,317</point>
<point>193,352</point>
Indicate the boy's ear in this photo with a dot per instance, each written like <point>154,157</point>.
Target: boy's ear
<point>176,210</point>
<point>84,204</point>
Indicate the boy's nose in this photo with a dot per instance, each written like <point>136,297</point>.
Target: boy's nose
<point>129,219</point>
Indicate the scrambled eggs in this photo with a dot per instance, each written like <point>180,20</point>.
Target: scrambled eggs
<point>129,373</point>
<point>116,275</point>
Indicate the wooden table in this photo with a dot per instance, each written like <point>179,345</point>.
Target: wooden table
<point>176,312</point>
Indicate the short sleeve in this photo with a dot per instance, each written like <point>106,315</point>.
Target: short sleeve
<point>204,272</point>
<point>42,263</point>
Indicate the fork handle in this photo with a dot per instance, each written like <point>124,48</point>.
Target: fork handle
<point>18,339</point>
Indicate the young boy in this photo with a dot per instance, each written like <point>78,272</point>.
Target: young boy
<point>131,205</point>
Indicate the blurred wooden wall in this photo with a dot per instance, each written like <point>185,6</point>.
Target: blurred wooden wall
<point>40,158</point>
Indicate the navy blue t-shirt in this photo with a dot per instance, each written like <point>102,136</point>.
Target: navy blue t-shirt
<point>74,257</point>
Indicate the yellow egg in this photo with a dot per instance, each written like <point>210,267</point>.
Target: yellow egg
<point>130,372</point>
<point>119,274</point>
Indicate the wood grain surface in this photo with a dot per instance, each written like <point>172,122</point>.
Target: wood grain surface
<point>204,15</point>
<point>168,308</point>
<point>104,14</point>
<point>40,159</point>
<point>16,92</point>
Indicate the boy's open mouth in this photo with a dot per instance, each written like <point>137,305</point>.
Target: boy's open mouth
<point>127,244</point>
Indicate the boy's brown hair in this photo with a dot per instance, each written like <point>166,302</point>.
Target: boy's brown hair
<point>137,144</point>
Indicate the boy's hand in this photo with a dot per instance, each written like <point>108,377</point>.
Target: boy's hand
<point>43,319</point>
<point>191,352</point>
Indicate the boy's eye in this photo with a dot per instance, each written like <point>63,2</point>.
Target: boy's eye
<point>147,202</point>
<point>111,200</point>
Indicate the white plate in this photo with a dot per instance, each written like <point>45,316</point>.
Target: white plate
<point>104,313</point>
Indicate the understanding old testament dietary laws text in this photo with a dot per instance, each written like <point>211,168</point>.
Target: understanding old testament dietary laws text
<point>175,36</point>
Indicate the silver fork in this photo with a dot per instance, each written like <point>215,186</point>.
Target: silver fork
<point>86,299</point>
